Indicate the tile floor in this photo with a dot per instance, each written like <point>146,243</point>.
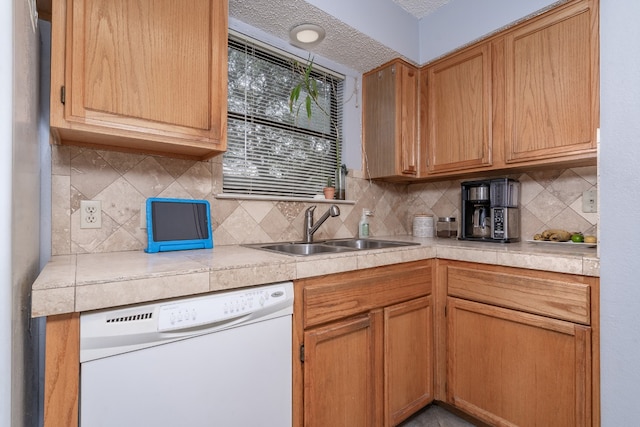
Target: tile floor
<point>435,416</point>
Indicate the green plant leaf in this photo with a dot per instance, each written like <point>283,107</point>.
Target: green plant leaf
<point>308,105</point>
<point>293,98</point>
<point>307,72</point>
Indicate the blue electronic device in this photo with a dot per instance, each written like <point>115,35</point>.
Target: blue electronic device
<point>178,224</point>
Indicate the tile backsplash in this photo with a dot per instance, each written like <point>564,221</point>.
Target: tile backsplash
<point>123,181</point>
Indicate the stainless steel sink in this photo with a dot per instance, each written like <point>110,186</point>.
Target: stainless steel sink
<point>300,248</point>
<point>329,246</point>
<point>368,243</point>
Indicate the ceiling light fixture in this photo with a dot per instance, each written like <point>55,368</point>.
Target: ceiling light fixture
<point>306,35</point>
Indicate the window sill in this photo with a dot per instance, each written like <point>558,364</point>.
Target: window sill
<point>226,196</point>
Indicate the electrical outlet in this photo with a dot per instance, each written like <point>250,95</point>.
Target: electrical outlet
<point>90,214</point>
<point>589,201</point>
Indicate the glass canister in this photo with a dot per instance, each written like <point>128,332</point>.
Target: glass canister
<point>423,225</point>
<point>447,227</point>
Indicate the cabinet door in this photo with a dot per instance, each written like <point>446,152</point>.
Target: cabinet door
<point>340,379</point>
<point>407,120</point>
<point>408,366</point>
<point>552,85</point>
<point>459,111</point>
<point>143,75</point>
<point>515,369</point>
<point>390,99</point>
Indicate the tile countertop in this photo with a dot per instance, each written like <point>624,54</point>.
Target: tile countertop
<point>83,282</point>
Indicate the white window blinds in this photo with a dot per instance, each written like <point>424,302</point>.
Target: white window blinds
<point>270,150</point>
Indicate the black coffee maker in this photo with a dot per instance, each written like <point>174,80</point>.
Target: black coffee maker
<point>490,210</point>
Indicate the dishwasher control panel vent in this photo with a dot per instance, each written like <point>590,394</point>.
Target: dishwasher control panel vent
<point>130,318</point>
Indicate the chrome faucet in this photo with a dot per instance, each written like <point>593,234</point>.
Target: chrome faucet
<point>310,227</point>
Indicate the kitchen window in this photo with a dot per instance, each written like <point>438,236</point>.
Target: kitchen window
<point>272,151</point>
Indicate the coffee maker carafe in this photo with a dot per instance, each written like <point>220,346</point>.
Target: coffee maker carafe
<point>490,210</point>
<point>481,221</point>
<point>478,199</point>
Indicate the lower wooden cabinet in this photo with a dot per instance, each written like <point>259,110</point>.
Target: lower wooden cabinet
<point>339,381</point>
<point>510,368</point>
<point>508,346</point>
<point>366,346</point>
<point>518,347</point>
<point>408,358</point>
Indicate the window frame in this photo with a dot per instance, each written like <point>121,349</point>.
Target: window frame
<point>328,135</point>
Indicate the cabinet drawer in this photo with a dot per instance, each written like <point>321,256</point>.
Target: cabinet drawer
<point>341,295</point>
<point>554,295</point>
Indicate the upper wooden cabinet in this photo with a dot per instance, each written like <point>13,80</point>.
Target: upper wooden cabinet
<point>552,90</point>
<point>456,103</point>
<point>141,75</point>
<point>527,96</point>
<point>390,120</point>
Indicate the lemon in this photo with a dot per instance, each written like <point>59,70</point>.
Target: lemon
<point>577,238</point>
<point>590,239</point>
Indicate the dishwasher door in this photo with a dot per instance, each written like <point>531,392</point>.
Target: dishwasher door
<point>234,377</point>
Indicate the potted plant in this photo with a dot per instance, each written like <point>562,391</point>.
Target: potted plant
<point>329,191</point>
<point>308,84</point>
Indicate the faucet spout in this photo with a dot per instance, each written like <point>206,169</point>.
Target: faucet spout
<point>310,228</point>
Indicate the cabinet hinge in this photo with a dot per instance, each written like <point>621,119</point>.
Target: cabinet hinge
<point>302,353</point>
<point>445,311</point>
<point>62,94</point>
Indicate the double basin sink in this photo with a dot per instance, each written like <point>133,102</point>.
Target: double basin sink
<point>329,246</point>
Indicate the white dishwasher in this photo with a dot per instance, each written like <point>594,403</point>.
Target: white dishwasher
<point>219,360</point>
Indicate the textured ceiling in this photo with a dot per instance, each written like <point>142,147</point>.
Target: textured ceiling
<point>277,17</point>
<point>343,44</point>
<point>420,8</point>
